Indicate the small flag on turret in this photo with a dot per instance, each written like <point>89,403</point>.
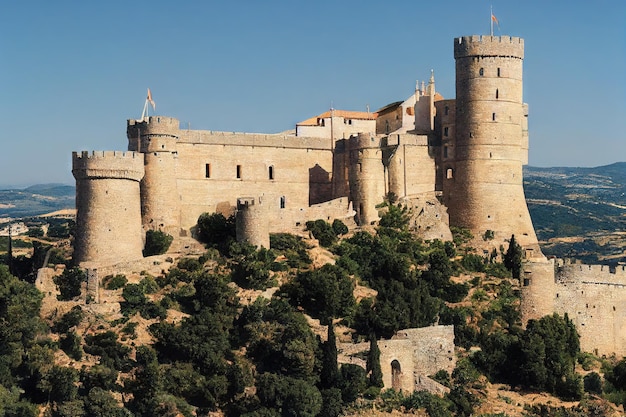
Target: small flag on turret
<point>493,18</point>
<point>149,98</point>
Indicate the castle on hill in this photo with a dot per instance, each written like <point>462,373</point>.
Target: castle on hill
<point>455,162</point>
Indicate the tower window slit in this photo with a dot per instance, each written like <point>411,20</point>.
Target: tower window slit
<point>271,172</point>
<point>238,171</point>
<point>207,170</point>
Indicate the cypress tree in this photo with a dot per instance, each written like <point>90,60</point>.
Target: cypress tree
<point>373,364</point>
<point>329,377</point>
<point>513,258</point>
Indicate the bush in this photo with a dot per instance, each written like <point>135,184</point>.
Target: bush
<point>189,264</point>
<point>322,231</point>
<point>69,283</point>
<point>68,320</point>
<point>114,282</point>
<point>70,344</point>
<point>157,242</point>
<point>593,383</point>
<point>339,227</point>
<point>216,230</point>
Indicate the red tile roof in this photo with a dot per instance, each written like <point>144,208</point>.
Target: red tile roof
<point>346,114</point>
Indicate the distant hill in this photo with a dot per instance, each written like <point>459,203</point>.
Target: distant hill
<point>579,212</point>
<point>36,200</point>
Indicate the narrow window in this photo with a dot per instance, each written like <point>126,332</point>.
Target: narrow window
<point>446,110</point>
<point>396,375</point>
<point>445,151</point>
<point>498,72</point>
<point>497,93</point>
<point>471,134</point>
<point>449,174</point>
<point>481,72</point>
<point>493,117</point>
<point>207,170</point>
<point>360,167</point>
<point>282,202</point>
<point>445,131</point>
<point>238,171</point>
<point>271,172</point>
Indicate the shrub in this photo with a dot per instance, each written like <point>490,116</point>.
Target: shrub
<point>69,283</point>
<point>216,230</point>
<point>68,320</point>
<point>339,227</point>
<point>189,264</point>
<point>70,344</point>
<point>157,242</point>
<point>593,383</point>
<point>114,282</point>
<point>322,231</point>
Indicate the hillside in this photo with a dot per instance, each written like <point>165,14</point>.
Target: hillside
<point>36,200</point>
<point>579,212</point>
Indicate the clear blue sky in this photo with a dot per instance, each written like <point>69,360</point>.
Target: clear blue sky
<point>72,72</point>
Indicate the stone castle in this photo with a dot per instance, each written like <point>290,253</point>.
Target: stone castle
<point>456,162</point>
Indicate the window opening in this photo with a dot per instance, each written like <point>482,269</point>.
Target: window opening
<point>271,172</point>
<point>396,375</point>
<point>498,72</point>
<point>481,72</point>
<point>497,93</point>
<point>282,202</point>
<point>493,117</point>
<point>449,173</point>
<point>238,171</point>
<point>207,171</point>
<point>446,110</point>
<point>445,131</point>
<point>445,151</point>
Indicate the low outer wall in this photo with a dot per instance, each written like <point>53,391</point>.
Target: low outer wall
<point>594,297</point>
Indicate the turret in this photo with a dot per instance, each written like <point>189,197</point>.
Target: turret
<point>156,137</point>
<point>366,175</point>
<point>108,211</point>
<point>483,184</point>
<point>252,222</point>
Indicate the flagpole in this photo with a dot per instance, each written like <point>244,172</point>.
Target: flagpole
<point>491,20</point>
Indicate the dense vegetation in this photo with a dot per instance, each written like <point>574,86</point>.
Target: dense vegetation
<point>221,345</point>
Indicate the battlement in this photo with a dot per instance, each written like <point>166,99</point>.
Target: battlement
<point>153,125</point>
<point>483,45</point>
<point>107,164</point>
<point>591,274</point>
<point>364,141</point>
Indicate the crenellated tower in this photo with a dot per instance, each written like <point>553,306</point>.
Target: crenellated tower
<point>482,183</point>
<point>108,220</point>
<point>366,176</point>
<point>156,137</point>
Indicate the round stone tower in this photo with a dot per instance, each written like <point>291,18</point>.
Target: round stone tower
<point>108,211</point>
<point>252,222</point>
<point>156,137</point>
<point>483,187</point>
<point>366,175</point>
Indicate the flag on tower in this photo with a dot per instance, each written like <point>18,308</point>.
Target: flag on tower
<point>493,18</point>
<point>149,98</point>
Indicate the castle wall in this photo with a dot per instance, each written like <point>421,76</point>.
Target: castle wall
<point>210,177</point>
<point>594,297</point>
<point>108,216</point>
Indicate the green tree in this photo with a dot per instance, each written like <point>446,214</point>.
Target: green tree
<point>147,384</point>
<point>329,375</point>
<point>157,242</point>
<point>373,364</point>
<point>216,230</point>
<point>69,283</point>
<point>322,231</point>
<point>513,258</point>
